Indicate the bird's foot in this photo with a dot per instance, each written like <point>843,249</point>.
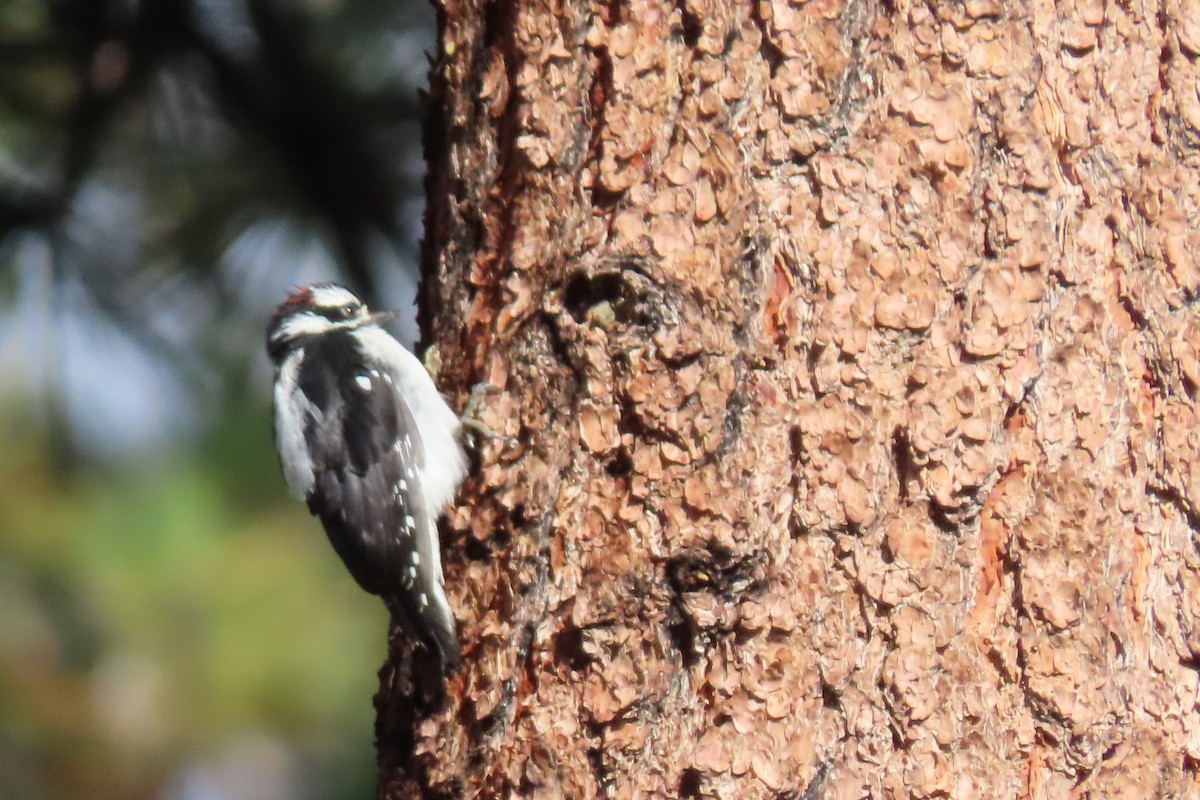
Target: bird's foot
<point>472,426</point>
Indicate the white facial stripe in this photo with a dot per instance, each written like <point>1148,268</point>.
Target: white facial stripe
<point>307,323</point>
<point>333,297</point>
<point>335,303</point>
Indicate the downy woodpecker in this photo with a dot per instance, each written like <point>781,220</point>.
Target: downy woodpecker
<point>367,441</point>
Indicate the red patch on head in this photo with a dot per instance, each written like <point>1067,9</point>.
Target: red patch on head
<point>297,298</point>
<point>300,296</point>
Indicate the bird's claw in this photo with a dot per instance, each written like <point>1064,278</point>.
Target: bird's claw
<point>474,428</point>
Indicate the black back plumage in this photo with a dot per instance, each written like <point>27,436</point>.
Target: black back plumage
<point>367,459</point>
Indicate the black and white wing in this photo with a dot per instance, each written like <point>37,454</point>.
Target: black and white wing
<point>367,463</point>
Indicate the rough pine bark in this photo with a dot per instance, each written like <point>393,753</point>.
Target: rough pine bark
<point>848,352</point>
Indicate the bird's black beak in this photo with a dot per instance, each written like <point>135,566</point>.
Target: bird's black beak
<point>382,318</point>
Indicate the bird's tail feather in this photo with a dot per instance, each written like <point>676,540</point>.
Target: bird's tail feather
<point>435,631</point>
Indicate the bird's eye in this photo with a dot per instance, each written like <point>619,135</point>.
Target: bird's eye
<point>340,313</point>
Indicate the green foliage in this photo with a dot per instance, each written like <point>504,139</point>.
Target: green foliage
<point>165,175</point>
<point>155,613</point>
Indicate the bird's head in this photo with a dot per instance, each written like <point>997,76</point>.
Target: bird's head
<point>313,310</point>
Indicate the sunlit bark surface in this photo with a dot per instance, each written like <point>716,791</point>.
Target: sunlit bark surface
<point>849,356</point>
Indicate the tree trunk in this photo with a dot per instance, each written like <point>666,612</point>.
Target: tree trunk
<point>849,355</point>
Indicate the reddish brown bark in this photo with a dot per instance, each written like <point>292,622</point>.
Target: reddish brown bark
<point>850,354</point>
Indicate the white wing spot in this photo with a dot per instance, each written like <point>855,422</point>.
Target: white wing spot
<point>363,382</point>
<point>412,573</point>
<point>416,558</point>
<point>387,376</point>
<point>374,373</point>
<point>403,485</point>
<point>409,522</point>
<point>424,599</point>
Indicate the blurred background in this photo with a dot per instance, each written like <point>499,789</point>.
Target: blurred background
<point>172,625</point>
